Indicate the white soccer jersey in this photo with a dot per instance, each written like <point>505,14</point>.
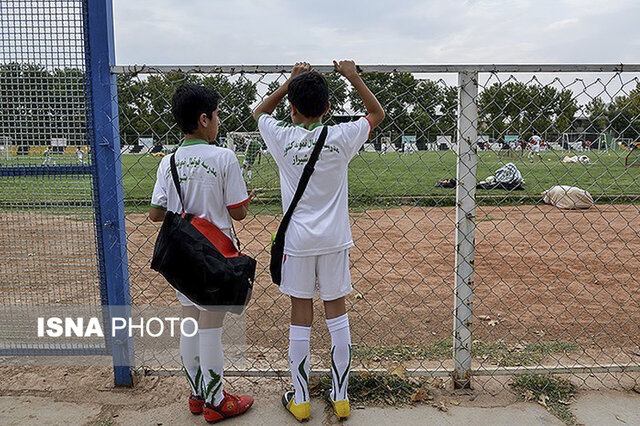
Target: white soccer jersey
<point>320,222</point>
<point>535,143</point>
<point>210,181</point>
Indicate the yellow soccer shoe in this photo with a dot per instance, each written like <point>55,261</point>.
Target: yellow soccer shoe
<point>302,411</point>
<point>341,408</point>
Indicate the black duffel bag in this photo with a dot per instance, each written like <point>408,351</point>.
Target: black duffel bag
<point>201,262</point>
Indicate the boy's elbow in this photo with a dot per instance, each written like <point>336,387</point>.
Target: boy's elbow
<point>377,118</point>
<point>239,213</point>
<point>156,215</point>
<point>383,115</point>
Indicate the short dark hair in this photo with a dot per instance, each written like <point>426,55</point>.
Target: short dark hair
<point>309,93</point>
<point>189,101</point>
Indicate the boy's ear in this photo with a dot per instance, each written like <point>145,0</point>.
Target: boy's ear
<point>326,111</point>
<point>294,110</point>
<point>203,120</point>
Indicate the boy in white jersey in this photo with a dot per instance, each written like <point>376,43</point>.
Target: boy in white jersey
<point>318,238</point>
<point>80,155</point>
<point>534,144</point>
<point>212,188</point>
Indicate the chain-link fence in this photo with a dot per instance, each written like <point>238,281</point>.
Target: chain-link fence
<point>48,234</point>
<point>534,288</point>
<point>462,267</point>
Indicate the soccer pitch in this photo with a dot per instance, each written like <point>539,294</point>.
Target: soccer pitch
<point>375,180</point>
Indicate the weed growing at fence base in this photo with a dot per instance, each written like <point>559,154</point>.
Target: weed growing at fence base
<point>554,393</point>
<point>380,388</point>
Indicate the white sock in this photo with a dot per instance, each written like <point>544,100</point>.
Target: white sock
<point>299,338</point>
<point>189,352</point>
<point>212,364</point>
<point>249,174</point>
<point>340,356</point>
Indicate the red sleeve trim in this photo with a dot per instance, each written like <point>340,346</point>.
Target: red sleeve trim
<point>370,127</point>
<point>235,206</point>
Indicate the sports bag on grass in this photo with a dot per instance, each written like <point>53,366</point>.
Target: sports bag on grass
<point>200,261</point>
<point>277,240</point>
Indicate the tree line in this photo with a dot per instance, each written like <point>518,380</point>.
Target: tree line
<point>37,104</point>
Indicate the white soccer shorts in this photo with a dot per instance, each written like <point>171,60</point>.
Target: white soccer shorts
<point>305,276</point>
<point>185,301</point>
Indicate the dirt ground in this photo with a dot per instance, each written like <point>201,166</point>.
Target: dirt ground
<point>542,274</point>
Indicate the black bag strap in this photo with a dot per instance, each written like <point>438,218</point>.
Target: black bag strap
<point>176,182</point>
<point>176,179</point>
<point>302,184</point>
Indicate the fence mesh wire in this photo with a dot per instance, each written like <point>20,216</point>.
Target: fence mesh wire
<point>553,288</point>
<point>47,239</point>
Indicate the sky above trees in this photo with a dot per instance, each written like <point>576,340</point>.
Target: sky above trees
<point>376,31</point>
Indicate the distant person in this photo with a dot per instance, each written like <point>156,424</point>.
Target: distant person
<point>251,154</point>
<point>318,238</point>
<point>80,155</point>
<point>48,157</point>
<point>407,148</point>
<point>386,146</point>
<point>212,188</point>
<point>534,146</point>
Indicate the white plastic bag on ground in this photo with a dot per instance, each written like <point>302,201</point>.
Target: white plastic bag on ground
<point>568,197</point>
<point>575,159</point>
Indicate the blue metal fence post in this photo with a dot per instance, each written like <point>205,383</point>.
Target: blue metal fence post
<point>105,144</point>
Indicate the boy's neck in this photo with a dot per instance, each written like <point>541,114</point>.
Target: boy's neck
<point>192,136</point>
<point>309,122</point>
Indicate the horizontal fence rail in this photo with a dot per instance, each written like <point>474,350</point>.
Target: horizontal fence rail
<point>433,68</point>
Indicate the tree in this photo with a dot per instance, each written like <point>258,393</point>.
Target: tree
<point>624,114</point>
<point>235,104</point>
<point>337,96</point>
<point>145,105</point>
<point>155,100</point>
<point>131,109</point>
<point>596,111</point>
<point>282,110</point>
<point>396,92</point>
<point>447,123</point>
<point>433,112</point>
<point>525,109</point>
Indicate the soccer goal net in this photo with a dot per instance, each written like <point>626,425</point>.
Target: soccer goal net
<point>239,141</point>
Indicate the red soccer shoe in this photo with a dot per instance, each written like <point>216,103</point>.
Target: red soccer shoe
<point>230,406</point>
<point>196,404</point>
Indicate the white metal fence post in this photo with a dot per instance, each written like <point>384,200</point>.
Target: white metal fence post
<point>465,226</point>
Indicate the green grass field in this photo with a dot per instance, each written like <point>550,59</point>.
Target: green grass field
<point>374,180</point>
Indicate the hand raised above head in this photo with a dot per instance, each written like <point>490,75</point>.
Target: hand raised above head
<point>346,67</point>
<point>299,68</point>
